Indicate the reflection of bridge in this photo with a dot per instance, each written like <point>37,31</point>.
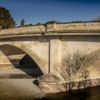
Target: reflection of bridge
<point>48,45</point>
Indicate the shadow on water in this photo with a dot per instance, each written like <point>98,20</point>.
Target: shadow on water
<point>91,93</point>
<point>66,96</point>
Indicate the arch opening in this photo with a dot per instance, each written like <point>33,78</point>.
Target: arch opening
<point>21,60</point>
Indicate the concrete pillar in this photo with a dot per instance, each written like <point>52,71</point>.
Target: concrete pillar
<point>51,82</point>
<point>4,61</point>
<point>54,56</point>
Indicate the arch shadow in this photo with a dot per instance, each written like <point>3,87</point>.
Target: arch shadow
<point>26,63</point>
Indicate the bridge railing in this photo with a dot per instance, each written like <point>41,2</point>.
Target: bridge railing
<point>58,28</point>
<point>74,27</point>
<point>23,30</point>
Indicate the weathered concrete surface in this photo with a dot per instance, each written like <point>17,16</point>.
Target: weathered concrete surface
<point>21,30</point>
<point>87,28</point>
<point>5,63</point>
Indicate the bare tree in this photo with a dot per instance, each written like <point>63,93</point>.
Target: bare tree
<point>72,65</point>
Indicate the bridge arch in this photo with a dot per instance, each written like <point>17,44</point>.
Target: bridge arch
<point>20,56</point>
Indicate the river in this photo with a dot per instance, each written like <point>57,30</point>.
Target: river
<point>23,88</point>
<point>85,94</point>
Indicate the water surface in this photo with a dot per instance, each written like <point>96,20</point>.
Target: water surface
<point>85,94</point>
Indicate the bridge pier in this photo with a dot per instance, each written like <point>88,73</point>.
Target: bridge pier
<point>54,56</point>
<point>52,82</point>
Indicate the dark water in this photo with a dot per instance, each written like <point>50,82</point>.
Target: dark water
<point>85,94</point>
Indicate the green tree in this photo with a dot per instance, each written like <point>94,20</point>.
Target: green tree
<point>22,22</point>
<point>52,22</point>
<point>6,20</point>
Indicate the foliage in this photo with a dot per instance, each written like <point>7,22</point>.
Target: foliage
<point>52,22</point>
<point>22,22</point>
<point>39,23</point>
<point>6,21</point>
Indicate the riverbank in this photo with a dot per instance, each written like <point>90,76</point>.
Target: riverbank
<point>19,89</point>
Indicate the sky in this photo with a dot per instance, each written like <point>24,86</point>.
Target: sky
<point>34,11</point>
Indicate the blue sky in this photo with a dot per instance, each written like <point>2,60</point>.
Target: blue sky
<point>34,11</point>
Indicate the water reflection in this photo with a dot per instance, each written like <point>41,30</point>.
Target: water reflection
<point>85,94</point>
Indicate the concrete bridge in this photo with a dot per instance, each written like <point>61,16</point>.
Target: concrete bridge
<point>53,48</point>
